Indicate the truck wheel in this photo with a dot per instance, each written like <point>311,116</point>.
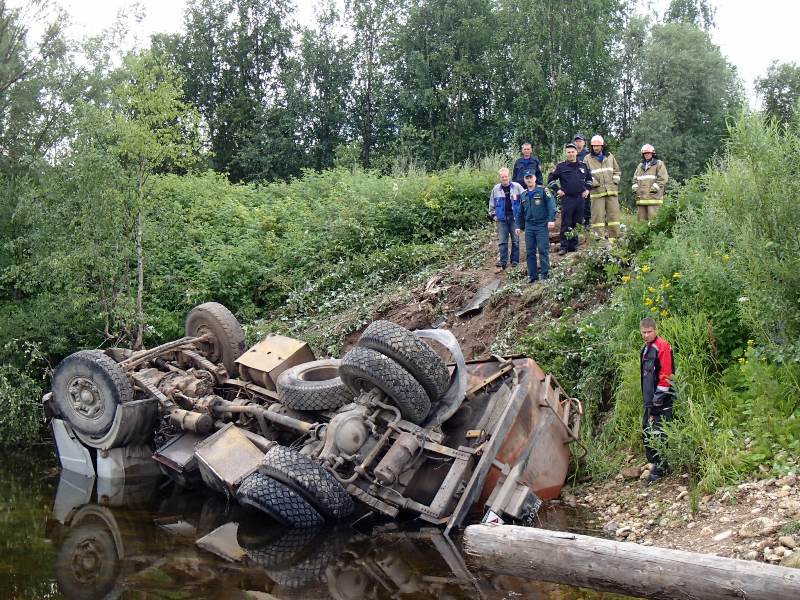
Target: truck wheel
<point>227,337</point>
<point>363,369</point>
<point>411,353</point>
<point>313,385</point>
<point>87,387</point>
<point>279,501</point>
<point>308,478</point>
<point>87,564</point>
<point>283,549</point>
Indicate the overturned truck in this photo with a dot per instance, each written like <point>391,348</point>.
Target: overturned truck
<point>401,424</point>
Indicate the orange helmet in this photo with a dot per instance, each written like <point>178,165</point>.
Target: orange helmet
<point>648,148</point>
<point>597,141</point>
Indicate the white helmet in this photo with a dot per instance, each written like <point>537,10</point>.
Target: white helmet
<point>648,148</point>
<point>597,141</point>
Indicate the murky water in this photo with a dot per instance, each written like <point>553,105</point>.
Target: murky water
<point>62,537</point>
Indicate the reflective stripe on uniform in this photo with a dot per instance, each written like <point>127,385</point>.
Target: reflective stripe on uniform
<point>612,223</point>
<point>648,202</point>
<point>602,169</point>
<point>640,177</point>
<point>604,194</point>
<point>598,225</point>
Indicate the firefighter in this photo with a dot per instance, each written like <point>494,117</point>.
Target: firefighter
<point>656,366</point>
<point>571,179</point>
<point>605,188</point>
<point>649,182</point>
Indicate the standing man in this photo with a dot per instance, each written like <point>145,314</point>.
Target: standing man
<point>504,208</point>
<point>528,162</point>
<point>583,151</point>
<point>605,189</point>
<point>656,363</point>
<point>536,216</point>
<point>649,182</point>
<point>572,180</point>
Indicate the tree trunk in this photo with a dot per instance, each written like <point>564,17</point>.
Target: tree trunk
<point>625,567</point>
<point>139,283</point>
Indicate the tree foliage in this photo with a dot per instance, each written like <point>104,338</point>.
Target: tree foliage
<point>780,91</point>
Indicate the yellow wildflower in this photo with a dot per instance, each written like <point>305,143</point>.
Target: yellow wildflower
<point>665,313</point>
<point>742,360</point>
<point>626,278</point>
<point>726,257</point>
<point>645,268</point>
<point>648,301</point>
<point>676,275</point>
<point>665,285</point>
<point>751,343</point>
<point>651,289</point>
<point>654,309</point>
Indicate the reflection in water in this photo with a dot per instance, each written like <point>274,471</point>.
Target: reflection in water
<point>150,539</point>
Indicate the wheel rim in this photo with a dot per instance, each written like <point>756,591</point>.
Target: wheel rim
<point>214,353</point>
<point>87,561</point>
<point>86,398</point>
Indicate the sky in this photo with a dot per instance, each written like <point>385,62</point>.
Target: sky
<point>750,34</point>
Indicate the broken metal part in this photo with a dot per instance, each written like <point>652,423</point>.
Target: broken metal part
<point>486,381</point>
<point>252,388</point>
<point>262,363</point>
<point>226,458</point>
<point>451,400</point>
<point>397,458</point>
<point>201,362</point>
<point>137,358</point>
<point>372,501</point>
<point>191,421</point>
<point>479,299</point>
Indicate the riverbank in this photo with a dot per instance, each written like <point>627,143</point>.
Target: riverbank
<point>758,519</point>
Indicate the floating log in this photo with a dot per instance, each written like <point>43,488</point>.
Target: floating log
<point>624,567</point>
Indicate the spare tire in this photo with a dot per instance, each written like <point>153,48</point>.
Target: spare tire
<point>279,501</point>
<point>226,342</point>
<point>87,387</point>
<point>411,353</point>
<point>314,385</point>
<point>363,369</point>
<point>311,480</point>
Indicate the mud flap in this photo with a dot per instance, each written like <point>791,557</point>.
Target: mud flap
<point>74,456</point>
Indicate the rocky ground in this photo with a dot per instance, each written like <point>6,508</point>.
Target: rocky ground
<point>755,520</point>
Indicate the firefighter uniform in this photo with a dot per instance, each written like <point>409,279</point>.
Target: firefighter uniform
<point>649,182</point>
<point>604,193</point>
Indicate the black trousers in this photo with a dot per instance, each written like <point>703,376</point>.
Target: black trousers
<point>571,216</point>
<point>653,429</point>
<point>587,211</point>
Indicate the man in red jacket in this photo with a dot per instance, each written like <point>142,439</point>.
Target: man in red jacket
<point>656,369</point>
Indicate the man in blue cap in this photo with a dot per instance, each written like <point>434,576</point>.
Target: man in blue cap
<point>537,215</point>
<point>572,179</point>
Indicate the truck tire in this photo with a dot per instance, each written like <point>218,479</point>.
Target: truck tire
<point>279,501</point>
<point>282,550</point>
<point>227,335</point>
<point>87,564</point>
<point>87,387</point>
<point>363,369</point>
<point>411,353</point>
<point>314,385</point>
<point>308,478</point>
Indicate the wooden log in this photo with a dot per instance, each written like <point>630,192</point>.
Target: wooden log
<point>624,567</point>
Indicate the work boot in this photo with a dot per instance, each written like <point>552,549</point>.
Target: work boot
<point>499,269</point>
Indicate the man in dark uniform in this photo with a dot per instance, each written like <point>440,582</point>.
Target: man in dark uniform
<point>656,362</point>
<point>572,180</point>
<point>583,152</point>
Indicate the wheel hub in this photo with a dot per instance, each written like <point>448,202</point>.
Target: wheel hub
<point>86,561</point>
<point>86,398</point>
<point>213,351</point>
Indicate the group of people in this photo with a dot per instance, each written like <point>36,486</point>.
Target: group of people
<point>587,186</point>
